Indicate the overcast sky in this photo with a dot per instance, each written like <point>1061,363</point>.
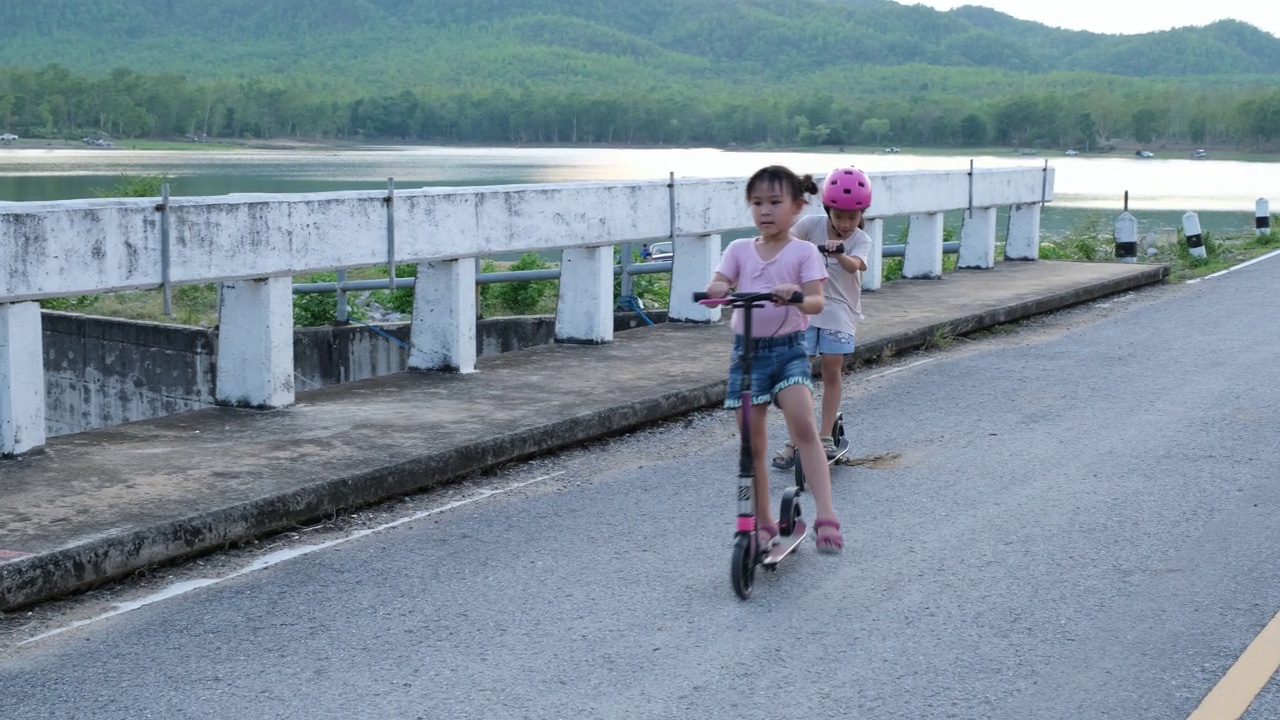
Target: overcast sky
<point>1129,16</point>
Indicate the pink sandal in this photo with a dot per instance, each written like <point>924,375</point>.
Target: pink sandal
<point>771,530</point>
<point>831,543</point>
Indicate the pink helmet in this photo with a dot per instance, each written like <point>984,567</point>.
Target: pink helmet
<point>846,188</point>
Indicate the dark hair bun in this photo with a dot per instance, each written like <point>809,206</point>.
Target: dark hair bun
<point>796,187</point>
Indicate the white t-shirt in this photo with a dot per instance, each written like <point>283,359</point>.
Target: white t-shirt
<point>843,306</point>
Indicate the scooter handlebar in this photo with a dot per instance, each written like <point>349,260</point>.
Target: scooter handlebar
<point>743,298</point>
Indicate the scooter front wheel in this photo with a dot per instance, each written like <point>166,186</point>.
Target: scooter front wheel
<point>743,569</point>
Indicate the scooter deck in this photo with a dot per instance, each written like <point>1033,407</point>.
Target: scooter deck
<point>786,543</point>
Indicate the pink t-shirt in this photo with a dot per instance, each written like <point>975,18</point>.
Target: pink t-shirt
<point>798,262</point>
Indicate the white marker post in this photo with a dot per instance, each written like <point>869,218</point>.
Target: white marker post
<point>1262,217</point>
<point>1191,228</point>
<point>1126,236</point>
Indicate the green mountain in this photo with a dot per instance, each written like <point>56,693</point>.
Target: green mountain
<point>391,44</point>
<point>721,72</point>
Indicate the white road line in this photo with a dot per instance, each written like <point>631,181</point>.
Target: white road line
<point>1246,263</point>
<point>266,561</point>
<point>899,369</point>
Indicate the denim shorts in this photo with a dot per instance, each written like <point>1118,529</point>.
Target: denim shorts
<point>821,341</point>
<point>776,363</point>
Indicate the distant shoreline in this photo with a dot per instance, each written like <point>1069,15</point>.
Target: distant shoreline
<point>1167,151</point>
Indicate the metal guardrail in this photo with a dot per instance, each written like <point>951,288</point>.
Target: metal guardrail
<point>481,279</point>
<point>647,268</point>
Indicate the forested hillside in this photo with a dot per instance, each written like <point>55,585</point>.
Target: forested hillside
<point>640,71</point>
<point>208,37</point>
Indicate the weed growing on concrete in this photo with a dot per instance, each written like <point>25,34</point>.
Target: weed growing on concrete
<point>1003,329</point>
<point>943,337</point>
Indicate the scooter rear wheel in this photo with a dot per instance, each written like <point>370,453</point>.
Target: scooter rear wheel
<point>788,511</point>
<point>743,569</point>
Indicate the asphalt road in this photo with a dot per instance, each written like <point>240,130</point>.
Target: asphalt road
<point>1074,519</point>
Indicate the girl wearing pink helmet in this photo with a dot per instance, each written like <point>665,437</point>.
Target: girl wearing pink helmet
<point>846,194</point>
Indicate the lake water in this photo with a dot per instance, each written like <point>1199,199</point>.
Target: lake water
<point>1160,190</point>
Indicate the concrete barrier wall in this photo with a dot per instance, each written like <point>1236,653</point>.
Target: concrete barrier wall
<point>81,247</point>
<point>102,371</point>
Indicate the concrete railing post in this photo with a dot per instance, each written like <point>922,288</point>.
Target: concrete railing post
<point>443,333</point>
<point>1023,242</point>
<point>22,422</point>
<point>584,313</point>
<point>695,258</point>
<point>873,276</point>
<point>1126,237</point>
<point>1191,231</point>
<point>255,343</point>
<point>923,254</point>
<point>978,239</point>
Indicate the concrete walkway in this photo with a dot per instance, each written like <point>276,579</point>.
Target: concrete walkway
<point>99,505</point>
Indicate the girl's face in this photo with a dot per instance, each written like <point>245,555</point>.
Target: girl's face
<point>844,222</point>
<point>773,210</point>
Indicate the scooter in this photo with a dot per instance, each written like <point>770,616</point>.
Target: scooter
<point>747,553</point>
<point>842,447</point>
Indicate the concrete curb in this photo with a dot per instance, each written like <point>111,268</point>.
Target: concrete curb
<point>46,576</point>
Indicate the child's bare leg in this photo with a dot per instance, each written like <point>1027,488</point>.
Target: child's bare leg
<point>797,407</point>
<point>832,368</point>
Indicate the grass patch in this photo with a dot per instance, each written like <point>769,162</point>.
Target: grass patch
<point>942,337</point>
<point>195,305</point>
<point>175,145</point>
<point>1220,253</point>
<point>1092,241</point>
<point>533,297</point>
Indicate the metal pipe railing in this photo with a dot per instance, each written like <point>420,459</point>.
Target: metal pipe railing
<point>664,266</point>
<point>481,279</point>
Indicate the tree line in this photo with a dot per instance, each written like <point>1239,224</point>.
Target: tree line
<point>54,102</point>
